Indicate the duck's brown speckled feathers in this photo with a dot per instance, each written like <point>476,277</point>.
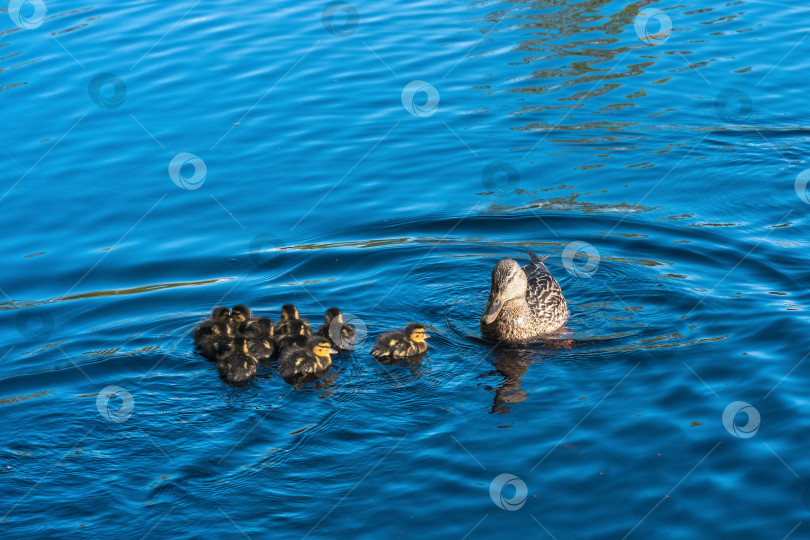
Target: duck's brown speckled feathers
<point>524,303</point>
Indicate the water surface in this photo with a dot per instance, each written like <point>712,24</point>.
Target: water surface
<point>382,158</point>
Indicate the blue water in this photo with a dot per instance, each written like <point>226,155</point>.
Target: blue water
<point>666,148</point>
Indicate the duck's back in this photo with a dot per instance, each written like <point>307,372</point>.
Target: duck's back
<point>544,295</point>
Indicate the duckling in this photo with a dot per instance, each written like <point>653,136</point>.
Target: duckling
<point>289,313</point>
<point>343,335</point>
<point>214,334</point>
<point>313,358</point>
<point>239,314</point>
<point>524,303</point>
<point>258,332</point>
<point>410,342</point>
<point>294,332</point>
<point>237,365</point>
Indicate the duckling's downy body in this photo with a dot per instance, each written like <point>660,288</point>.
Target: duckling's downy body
<point>237,365</point>
<point>312,359</point>
<point>214,335</point>
<point>291,329</point>
<point>340,334</point>
<point>410,342</point>
<point>258,332</point>
<point>524,303</point>
<point>294,334</point>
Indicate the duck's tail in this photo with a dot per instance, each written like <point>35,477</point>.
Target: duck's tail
<point>537,263</point>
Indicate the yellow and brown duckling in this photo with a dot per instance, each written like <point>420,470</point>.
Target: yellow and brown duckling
<point>524,303</point>
<point>341,335</point>
<point>311,359</point>
<point>240,314</point>
<point>258,332</point>
<point>410,342</point>
<point>237,365</point>
<point>295,332</point>
<point>214,335</point>
<point>289,313</point>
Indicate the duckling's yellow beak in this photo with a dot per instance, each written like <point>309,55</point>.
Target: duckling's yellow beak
<point>332,351</point>
<point>492,310</point>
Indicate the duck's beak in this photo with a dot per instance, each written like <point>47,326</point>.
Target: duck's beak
<point>492,310</point>
<point>332,351</point>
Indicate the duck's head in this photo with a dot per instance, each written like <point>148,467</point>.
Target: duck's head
<point>289,312</point>
<point>264,325</point>
<point>321,347</point>
<point>220,313</point>
<point>240,313</point>
<point>258,327</point>
<point>333,314</point>
<point>416,332</point>
<point>297,327</point>
<point>508,283</point>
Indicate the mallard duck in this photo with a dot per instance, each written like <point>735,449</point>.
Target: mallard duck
<point>311,359</point>
<point>410,342</point>
<point>340,334</point>
<point>213,335</point>
<point>237,365</point>
<point>258,332</point>
<point>524,303</point>
<point>295,332</point>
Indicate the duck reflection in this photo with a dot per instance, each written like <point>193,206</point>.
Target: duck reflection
<point>512,363</point>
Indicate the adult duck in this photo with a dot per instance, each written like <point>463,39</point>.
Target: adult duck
<point>524,303</point>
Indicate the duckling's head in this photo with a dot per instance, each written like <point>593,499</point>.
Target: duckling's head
<point>298,327</point>
<point>333,314</point>
<point>240,313</point>
<point>508,283</point>
<point>321,347</point>
<point>288,312</point>
<point>264,325</point>
<point>416,332</point>
<point>220,313</point>
<point>258,327</point>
